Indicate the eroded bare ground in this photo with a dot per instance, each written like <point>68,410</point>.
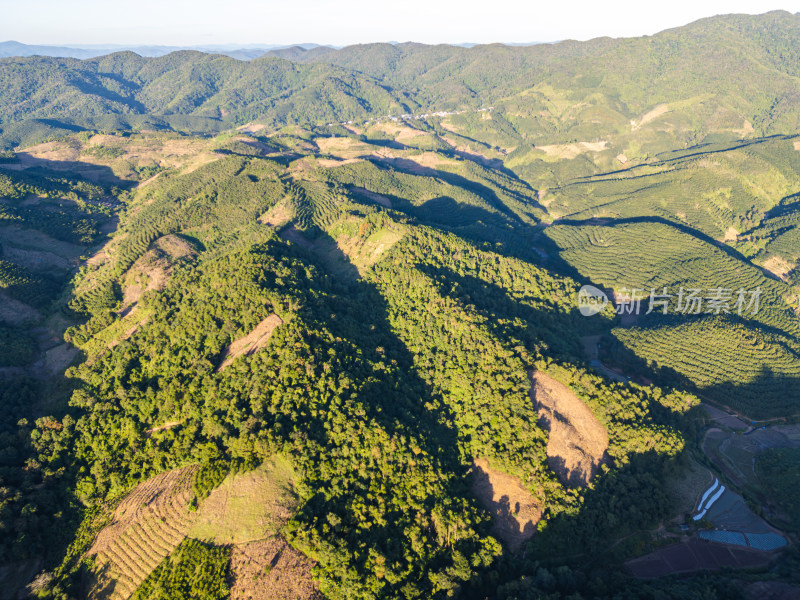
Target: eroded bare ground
<point>270,569</point>
<point>278,215</point>
<point>153,269</point>
<point>253,341</point>
<point>514,510</point>
<point>126,153</point>
<point>15,313</point>
<point>380,199</point>
<point>577,441</point>
<point>778,266</point>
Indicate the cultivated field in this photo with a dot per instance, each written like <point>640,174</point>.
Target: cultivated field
<point>245,512</point>
<point>248,506</point>
<point>147,526</point>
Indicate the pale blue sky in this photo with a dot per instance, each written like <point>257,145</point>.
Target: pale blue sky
<point>341,22</point>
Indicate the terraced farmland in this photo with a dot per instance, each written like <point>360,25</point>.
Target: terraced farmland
<point>147,527</point>
<point>655,255</point>
<point>749,363</point>
<point>750,370</point>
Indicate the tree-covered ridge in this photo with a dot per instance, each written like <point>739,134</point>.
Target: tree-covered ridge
<point>717,74</point>
<point>718,189</point>
<point>194,570</point>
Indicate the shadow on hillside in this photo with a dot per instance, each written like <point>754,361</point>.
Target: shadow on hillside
<point>547,327</point>
<point>622,501</point>
<point>563,267</point>
<point>653,220</point>
<point>50,231</point>
<point>28,166</point>
<point>360,313</point>
<point>487,230</point>
<point>567,547</point>
<point>767,397</point>
<point>769,394</point>
<point>488,195</point>
<point>362,316</point>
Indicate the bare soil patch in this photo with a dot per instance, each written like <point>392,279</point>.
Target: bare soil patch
<point>382,200</point>
<point>57,359</point>
<point>650,116</point>
<point>779,266</point>
<point>731,235</point>
<point>431,160</point>
<point>342,147</point>
<point>174,246</point>
<point>332,163</point>
<point>278,215</point>
<point>147,526</point>
<point>400,132</point>
<point>515,512</point>
<point>36,260</point>
<point>577,441</point>
<point>251,127</point>
<point>797,145</point>
<point>253,341</point>
<point>13,312</point>
<point>29,239</point>
<point>164,427</point>
<point>153,269</point>
<point>271,569</point>
<point>568,151</point>
<point>200,160</point>
<point>747,127</point>
<point>142,150</point>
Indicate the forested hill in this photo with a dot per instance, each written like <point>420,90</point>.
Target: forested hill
<point>726,70</point>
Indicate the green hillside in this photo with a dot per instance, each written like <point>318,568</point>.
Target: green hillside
<point>716,75</point>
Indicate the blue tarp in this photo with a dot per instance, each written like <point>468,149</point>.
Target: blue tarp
<point>724,537</point>
<point>765,541</point>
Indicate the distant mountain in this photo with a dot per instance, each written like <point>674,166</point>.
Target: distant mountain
<point>12,48</point>
<point>727,73</point>
<point>190,91</point>
<point>248,52</point>
<point>301,53</point>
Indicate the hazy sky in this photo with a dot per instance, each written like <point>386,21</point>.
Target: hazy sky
<point>341,22</point>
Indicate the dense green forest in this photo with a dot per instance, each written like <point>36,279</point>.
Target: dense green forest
<point>372,298</point>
